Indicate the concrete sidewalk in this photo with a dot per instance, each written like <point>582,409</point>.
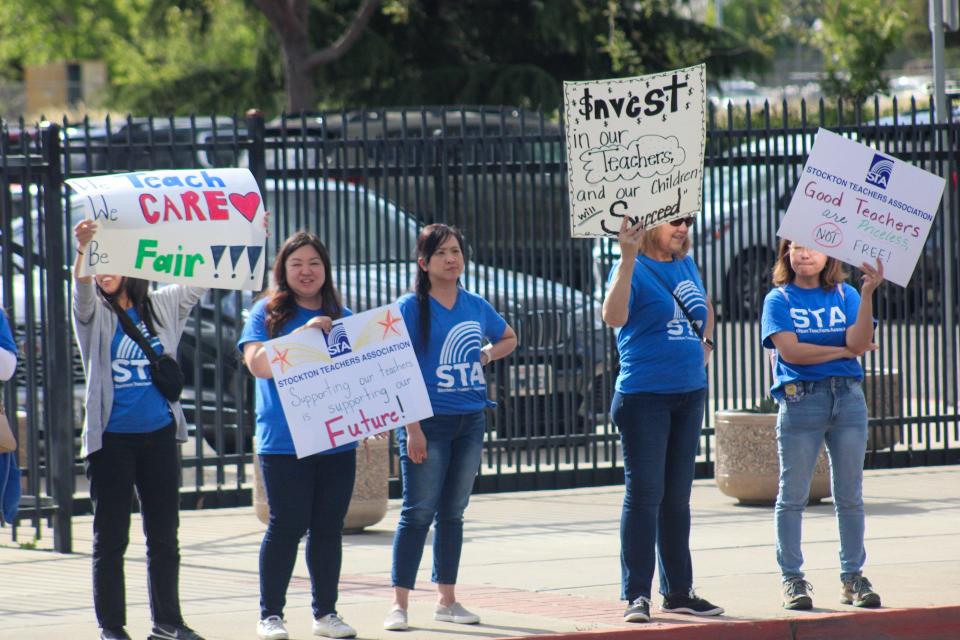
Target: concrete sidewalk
<point>541,564</point>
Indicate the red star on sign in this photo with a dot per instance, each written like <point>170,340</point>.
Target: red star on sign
<point>281,358</point>
<point>388,323</point>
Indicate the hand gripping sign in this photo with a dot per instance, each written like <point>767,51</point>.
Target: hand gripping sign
<point>634,149</point>
<point>201,228</point>
<point>359,380</point>
<point>859,205</point>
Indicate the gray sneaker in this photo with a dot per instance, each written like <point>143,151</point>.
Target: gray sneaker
<point>638,611</point>
<point>859,592</point>
<point>455,613</point>
<point>795,596</point>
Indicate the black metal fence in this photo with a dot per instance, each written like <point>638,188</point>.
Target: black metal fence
<point>365,181</point>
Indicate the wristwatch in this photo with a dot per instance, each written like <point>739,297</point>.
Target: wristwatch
<point>707,341</point>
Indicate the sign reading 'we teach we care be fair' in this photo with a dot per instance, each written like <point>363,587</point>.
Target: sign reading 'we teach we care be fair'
<point>195,227</point>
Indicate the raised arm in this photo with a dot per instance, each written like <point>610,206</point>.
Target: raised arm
<point>616,305</point>
<point>860,333</point>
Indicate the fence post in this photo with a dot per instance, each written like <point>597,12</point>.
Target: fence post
<point>58,407</point>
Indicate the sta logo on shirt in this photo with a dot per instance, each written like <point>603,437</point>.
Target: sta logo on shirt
<point>679,328</point>
<point>457,368</point>
<point>817,320</point>
<point>131,366</point>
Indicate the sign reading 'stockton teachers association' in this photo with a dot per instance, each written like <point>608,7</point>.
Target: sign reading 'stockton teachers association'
<point>634,149</point>
<point>360,380</point>
<point>860,205</point>
<point>197,227</point>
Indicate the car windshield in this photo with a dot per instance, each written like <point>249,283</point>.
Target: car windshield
<point>357,225</point>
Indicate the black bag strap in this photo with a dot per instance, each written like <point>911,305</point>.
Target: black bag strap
<point>693,325</point>
<point>135,334</point>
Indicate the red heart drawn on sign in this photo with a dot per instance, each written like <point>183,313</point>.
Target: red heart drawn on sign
<point>246,204</point>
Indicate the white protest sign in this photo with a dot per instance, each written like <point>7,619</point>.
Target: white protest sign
<point>201,228</point>
<point>359,380</point>
<point>634,148</point>
<point>859,205</point>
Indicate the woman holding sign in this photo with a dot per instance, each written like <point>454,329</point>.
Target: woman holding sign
<point>130,435</point>
<point>439,456</point>
<point>305,495</point>
<point>664,322</point>
<point>819,326</point>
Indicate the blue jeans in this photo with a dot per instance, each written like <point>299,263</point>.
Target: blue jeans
<point>437,490</point>
<point>831,411</point>
<point>311,496</point>
<point>659,434</point>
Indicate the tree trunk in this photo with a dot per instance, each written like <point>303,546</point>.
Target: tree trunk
<point>299,79</point>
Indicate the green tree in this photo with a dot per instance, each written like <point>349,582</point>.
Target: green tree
<point>163,56</point>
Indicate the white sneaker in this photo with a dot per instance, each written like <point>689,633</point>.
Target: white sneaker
<point>333,626</point>
<point>271,628</point>
<point>455,613</point>
<point>396,620</point>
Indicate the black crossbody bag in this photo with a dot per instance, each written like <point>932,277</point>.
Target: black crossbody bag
<point>683,308</point>
<point>164,369</point>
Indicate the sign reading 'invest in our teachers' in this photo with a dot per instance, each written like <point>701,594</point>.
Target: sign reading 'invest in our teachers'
<point>859,205</point>
<point>202,228</point>
<point>634,149</point>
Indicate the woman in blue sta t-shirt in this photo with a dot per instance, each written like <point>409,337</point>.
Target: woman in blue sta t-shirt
<point>439,456</point>
<point>130,436</point>
<point>664,322</point>
<point>307,495</point>
<point>819,325</point>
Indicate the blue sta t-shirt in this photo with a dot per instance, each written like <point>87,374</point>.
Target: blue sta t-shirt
<point>138,406</point>
<point>659,350</point>
<point>6,336</point>
<point>450,359</point>
<point>273,432</point>
<point>818,317</point>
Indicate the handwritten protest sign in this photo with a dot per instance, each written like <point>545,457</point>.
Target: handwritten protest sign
<point>359,380</point>
<point>634,148</point>
<point>859,205</point>
<point>202,228</point>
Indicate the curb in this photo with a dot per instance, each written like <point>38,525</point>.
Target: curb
<point>926,623</point>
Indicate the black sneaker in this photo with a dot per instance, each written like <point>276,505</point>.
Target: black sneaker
<point>114,633</point>
<point>638,611</point>
<point>689,603</point>
<point>795,596</point>
<point>173,632</point>
<point>859,592</point>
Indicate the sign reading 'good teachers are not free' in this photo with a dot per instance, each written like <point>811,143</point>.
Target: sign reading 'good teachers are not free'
<point>859,205</point>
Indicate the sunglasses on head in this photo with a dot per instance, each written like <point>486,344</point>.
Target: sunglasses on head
<point>679,221</point>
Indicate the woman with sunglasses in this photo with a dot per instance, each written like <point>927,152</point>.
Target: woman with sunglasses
<point>819,325</point>
<point>662,314</point>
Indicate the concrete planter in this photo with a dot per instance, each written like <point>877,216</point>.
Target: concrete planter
<point>746,465</point>
<point>368,504</point>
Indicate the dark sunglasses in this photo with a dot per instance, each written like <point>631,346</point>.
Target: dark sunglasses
<point>679,221</point>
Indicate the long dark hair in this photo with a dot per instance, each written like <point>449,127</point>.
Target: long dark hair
<point>283,304</point>
<point>430,238</point>
<point>138,292</point>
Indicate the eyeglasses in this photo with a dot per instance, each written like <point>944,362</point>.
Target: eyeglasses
<point>679,221</point>
<point>796,248</point>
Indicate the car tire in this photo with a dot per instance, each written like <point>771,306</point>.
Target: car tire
<point>748,280</point>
